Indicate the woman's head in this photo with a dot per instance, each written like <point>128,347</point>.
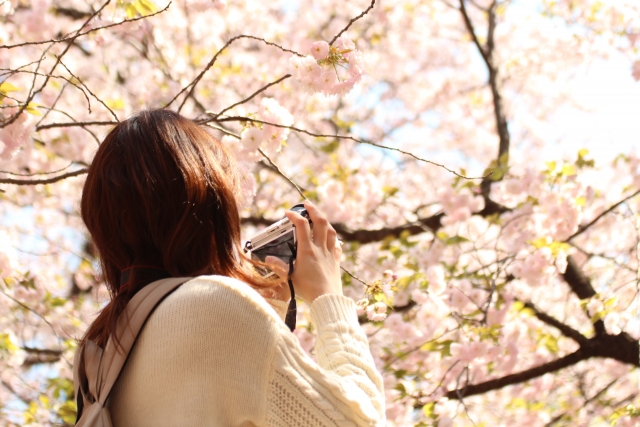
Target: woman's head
<point>161,191</point>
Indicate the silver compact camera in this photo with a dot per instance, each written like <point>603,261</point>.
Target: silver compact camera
<point>278,240</point>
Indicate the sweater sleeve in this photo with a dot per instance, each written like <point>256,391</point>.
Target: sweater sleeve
<point>279,306</point>
<point>342,389</point>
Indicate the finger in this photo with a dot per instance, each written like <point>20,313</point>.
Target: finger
<point>278,266</point>
<point>337,252</point>
<point>320,224</point>
<point>332,238</point>
<point>303,230</point>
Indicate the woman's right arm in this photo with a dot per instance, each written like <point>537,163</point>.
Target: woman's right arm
<point>344,388</point>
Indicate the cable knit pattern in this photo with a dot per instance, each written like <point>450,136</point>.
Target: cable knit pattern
<point>215,353</point>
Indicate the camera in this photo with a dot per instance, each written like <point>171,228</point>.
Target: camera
<point>278,240</point>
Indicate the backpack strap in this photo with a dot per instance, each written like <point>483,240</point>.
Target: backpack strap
<point>95,370</point>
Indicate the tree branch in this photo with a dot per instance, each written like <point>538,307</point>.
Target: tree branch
<point>581,286</point>
<point>192,85</point>
<point>584,228</point>
<point>350,138</point>
<point>566,330</point>
<point>472,32</point>
<point>43,181</point>
<point>75,124</point>
<point>520,377</point>
<point>363,236</point>
<point>277,169</point>
<point>364,12</point>
<point>253,95</point>
<point>40,355</point>
<point>80,34</point>
<point>498,107</point>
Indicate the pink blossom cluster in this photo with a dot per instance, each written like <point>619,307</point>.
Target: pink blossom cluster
<point>15,135</point>
<point>267,132</point>
<point>635,71</point>
<point>458,206</point>
<point>535,268</point>
<point>330,69</point>
<point>7,259</point>
<point>560,214</point>
<point>381,290</point>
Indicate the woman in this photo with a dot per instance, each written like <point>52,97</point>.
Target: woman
<point>160,201</point>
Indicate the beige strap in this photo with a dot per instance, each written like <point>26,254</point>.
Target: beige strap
<point>102,367</point>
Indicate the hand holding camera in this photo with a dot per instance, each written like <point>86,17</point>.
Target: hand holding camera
<point>317,255</point>
<point>317,266</point>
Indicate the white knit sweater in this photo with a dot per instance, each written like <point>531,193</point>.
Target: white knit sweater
<point>215,353</point>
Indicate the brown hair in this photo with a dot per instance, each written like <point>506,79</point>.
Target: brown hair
<point>161,192</point>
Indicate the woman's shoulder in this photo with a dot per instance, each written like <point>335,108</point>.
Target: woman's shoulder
<point>226,296</point>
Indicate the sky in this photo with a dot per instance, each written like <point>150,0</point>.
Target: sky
<point>613,124</point>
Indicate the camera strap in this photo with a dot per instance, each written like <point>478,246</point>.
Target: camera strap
<point>292,311</point>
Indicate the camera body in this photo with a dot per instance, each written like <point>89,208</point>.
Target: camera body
<point>278,240</point>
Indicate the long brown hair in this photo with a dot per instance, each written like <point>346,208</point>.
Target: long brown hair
<point>161,191</point>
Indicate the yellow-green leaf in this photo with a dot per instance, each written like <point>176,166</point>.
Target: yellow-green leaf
<point>429,409</point>
<point>568,170</point>
<point>145,7</point>
<point>130,10</point>
<point>551,166</point>
<point>6,87</point>
<point>32,108</point>
<point>115,104</point>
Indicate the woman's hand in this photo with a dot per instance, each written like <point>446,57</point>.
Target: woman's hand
<point>317,266</point>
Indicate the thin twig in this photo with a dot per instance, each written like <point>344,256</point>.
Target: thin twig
<point>43,181</point>
<point>89,90</point>
<point>191,86</point>
<point>364,12</point>
<point>75,124</point>
<point>253,95</point>
<point>596,219</point>
<point>353,276</point>
<point>360,141</point>
<point>71,38</point>
<point>281,173</point>
<point>37,173</point>
<point>32,94</point>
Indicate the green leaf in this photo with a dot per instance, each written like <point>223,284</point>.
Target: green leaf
<point>429,410</point>
<point>456,240</point>
<point>551,166</point>
<point>68,412</point>
<point>550,342</point>
<point>504,159</point>
<point>401,388</point>
<point>442,236</point>
<point>330,147</point>
<point>568,170</point>
<point>445,348</point>
<point>496,174</point>
<point>115,104</point>
<point>400,373</point>
<point>32,108</point>
<point>6,87</point>
<point>130,10</point>
<point>390,190</point>
<point>145,7</point>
